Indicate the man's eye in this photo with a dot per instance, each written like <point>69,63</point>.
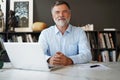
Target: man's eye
<point>57,12</point>
<point>65,11</point>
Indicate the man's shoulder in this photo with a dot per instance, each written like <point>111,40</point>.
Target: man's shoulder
<point>51,28</point>
<point>77,28</point>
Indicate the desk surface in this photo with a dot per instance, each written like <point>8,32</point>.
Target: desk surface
<point>110,71</point>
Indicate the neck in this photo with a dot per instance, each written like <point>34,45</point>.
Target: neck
<point>62,29</point>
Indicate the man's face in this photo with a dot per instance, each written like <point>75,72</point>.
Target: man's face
<point>61,15</point>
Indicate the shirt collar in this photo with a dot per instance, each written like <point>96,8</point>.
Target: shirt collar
<point>69,29</point>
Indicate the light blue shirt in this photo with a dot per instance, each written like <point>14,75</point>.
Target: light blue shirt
<point>74,43</point>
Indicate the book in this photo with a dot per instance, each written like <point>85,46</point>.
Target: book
<point>118,59</point>
<point>19,39</point>
<point>88,27</point>
<point>93,41</point>
<point>102,40</point>
<point>107,40</point>
<point>109,29</point>
<point>14,39</point>
<point>30,38</point>
<point>113,56</point>
<point>105,56</point>
<point>111,40</point>
<point>27,38</point>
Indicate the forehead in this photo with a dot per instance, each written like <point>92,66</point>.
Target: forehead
<point>60,7</point>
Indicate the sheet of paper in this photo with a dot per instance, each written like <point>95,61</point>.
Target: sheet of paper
<point>98,67</point>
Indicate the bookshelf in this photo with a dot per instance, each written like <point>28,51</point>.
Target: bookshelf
<point>16,36</point>
<point>100,48</point>
<point>105,45</point>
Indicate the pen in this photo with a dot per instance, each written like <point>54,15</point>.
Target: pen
<point>94,66</point>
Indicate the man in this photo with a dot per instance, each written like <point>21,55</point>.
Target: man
<point>63,43</point>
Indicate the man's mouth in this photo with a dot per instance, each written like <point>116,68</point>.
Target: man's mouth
<point>62,19</point>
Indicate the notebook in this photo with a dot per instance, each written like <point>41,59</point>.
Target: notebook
<point>28,56</point>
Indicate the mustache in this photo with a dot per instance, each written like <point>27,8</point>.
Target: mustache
<point>61,18</point>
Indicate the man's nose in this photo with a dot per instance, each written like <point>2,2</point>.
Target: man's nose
<point>61,14</point>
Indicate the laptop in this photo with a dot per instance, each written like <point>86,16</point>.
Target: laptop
<point>27,56</point>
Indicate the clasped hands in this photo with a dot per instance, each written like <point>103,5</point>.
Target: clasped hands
<point>60,59</point>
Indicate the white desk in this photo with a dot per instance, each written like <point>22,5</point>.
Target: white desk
<point>74,72</point>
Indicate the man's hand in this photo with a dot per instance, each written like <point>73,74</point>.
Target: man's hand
<point>60,59</point>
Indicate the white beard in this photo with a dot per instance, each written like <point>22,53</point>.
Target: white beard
<point>62,23</point>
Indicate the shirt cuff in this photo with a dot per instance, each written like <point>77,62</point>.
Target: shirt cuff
<point>47,57</point>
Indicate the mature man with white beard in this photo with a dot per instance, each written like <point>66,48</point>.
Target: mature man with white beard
<point>63,43</point>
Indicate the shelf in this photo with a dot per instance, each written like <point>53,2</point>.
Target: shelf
<point>93,36</point>
<point>105,43</point>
